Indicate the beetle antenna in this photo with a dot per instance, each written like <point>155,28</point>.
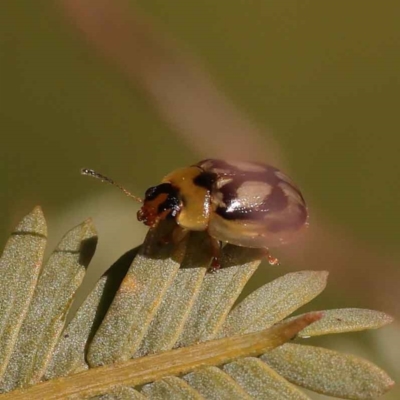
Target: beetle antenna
<point>94,174</point>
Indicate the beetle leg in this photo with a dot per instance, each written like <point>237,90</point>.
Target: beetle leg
<point>216,254</point>
<point>271,259</point>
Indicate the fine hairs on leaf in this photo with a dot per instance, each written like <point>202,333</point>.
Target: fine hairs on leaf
<point>158,325</point>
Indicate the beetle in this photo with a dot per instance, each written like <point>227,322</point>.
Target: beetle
<point>247,204</point>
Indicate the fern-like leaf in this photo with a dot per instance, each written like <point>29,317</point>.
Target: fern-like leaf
<point>158,326</point>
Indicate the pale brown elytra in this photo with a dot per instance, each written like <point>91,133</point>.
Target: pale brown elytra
<point>243,203</point>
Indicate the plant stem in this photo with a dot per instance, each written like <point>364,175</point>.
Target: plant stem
<point>147,369</point>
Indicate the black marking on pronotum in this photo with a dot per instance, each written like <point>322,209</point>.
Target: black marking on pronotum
<point>205,180</point>
<point>172,202</point>
<point>154,191</point>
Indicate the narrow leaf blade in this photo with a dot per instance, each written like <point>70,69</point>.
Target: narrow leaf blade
<point>20,266</point>
<point>260,381</point>
<point>135,304</point>
<point>171,388</point>
<point>329,372</point>
<point>178,301</point>
<point>142,370</point>
<point>120,393</point>
<point>217,295</point>
<point>69,355</point>
<point>58,282</point>
<point>274,301</point>
<point>214,384</point>
<point>346,320</point>
<point>168,324</point>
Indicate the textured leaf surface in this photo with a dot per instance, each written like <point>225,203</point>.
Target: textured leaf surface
<point>20,266</point>
<point>120,393</point>
<point>178,301</point>
<point>132,310</point>
<point>161,298</point>
<point>329,372</point>
<point>262,382</point>
<point>148,369</point>
<point>69,354</point>
<point>171,388</point>
<point>217,295</point>
<point>167,325</point>
<point>57,284</point>
<point>274,301</point>
<point>347,320</point>
<point>214,384</point>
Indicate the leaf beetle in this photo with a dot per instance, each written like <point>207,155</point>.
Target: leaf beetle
<point>247,204</point>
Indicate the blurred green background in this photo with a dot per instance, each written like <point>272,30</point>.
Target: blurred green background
<point>324,77</point>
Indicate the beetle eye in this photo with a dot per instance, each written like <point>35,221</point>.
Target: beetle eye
<point>150,192</point>
<point>154,191</point>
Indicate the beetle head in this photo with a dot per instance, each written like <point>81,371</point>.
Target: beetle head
<point>160,202</point>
